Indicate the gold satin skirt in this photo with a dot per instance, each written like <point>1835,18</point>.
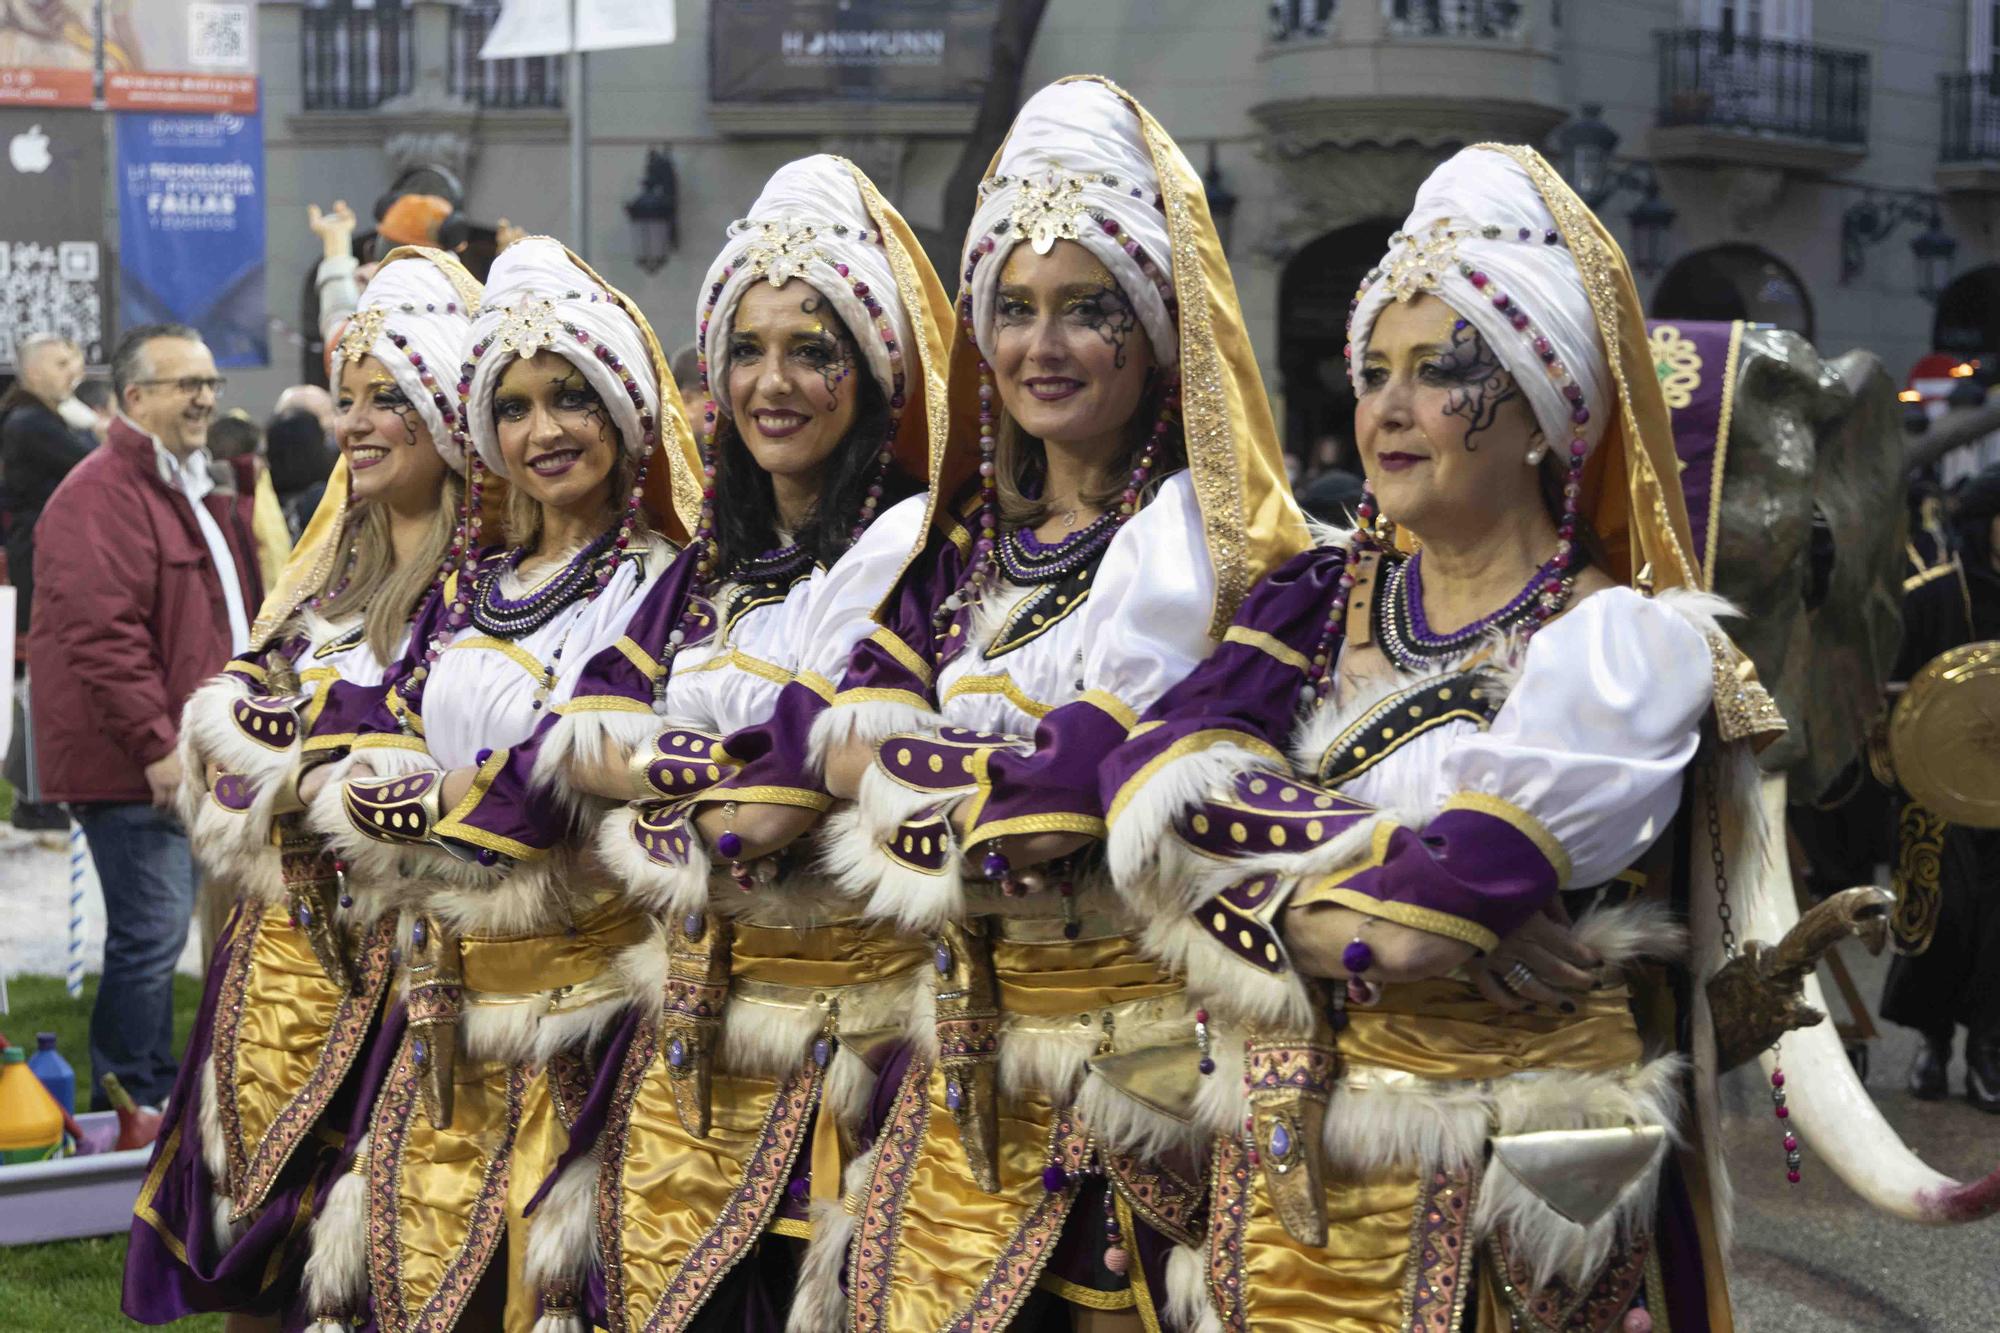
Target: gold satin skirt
<point>931,1248</point>
<point>285,1038</point>
<point>677,1213</point>
<point>441,1201</point>
<point>1399,1257</point>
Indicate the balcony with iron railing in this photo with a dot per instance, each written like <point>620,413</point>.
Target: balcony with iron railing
<point>1969,137</point>
<point>356,57</point>
<point>1424,70</point>
<point>532,81</point>
<point>1753,101</point>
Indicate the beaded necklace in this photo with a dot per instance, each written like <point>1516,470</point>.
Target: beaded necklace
<point>1026,559</point>
<point>513,618</point>
<point>1405,636</point>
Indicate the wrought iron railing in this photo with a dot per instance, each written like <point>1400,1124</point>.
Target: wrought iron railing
<point>1710,77</point>
<point>1971,131</point>
<point>1485,19</point>
<point>533,81</point>
<point>1292,20</point>
<point>353,59</point>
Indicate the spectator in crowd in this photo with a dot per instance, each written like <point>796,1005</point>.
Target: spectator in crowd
<point>686,368</point>
<point>238,448</point>
<point>145,586</point>
<point>38,447</point>
<point>301,460</point>
<point>338,279</point>
<point>316,400</point>
<point>39,444</point>
<point>1946,971</point>
<point>96,395</point>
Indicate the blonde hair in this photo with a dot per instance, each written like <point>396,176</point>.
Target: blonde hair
<point>1019,457</point>
<point>524,511</point>
<point>386,591</point>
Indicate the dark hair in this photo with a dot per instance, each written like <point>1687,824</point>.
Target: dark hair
<point>295,443</point>
<point>234,435</point>
<point>95,395</point>
<point>125,369</point>
<point>746,507</point>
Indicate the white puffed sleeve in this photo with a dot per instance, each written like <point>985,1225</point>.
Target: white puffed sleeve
<point>845,597</point>
<point>1596,732</point>
<point>1146,623</point>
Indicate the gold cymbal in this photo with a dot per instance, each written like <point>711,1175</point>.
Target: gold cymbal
<point>1944,735</point>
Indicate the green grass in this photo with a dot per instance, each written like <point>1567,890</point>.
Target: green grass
<point>72,1286</point>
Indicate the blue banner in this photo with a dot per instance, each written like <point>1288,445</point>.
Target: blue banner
<point>191,228</point>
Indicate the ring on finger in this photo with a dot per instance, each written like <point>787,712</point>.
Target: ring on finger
<point>1517,976</point>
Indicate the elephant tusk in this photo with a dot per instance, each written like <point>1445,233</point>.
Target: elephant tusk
<point>1830,1109</point>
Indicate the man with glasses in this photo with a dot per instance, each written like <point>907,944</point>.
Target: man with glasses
<point>144,586</point>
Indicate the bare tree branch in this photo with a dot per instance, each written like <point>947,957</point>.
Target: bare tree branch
<point>1013,38</point>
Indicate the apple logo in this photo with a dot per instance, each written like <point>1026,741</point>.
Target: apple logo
<point>29,150</point>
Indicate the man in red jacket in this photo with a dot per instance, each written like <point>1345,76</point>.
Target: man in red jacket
<point>145,584</point>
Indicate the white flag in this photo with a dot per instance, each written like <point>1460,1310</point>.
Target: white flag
<point>542,27</point>
<point>604,25</point>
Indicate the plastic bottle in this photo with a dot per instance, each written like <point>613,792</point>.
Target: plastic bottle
<point>31,1124</point>
<point>53,1071</point>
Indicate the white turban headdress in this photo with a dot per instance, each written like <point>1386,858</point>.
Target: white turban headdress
<point>1481,237</point>
<point>538,297</point>
<point>1076,168</point>
<point>412,318</point>
<point>811,222</point>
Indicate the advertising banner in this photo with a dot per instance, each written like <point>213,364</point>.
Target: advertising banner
<point>48,53</point>
<point>875,50</point>
<point>179,55</point>
<point>52,274</point>
<point>191,228</point>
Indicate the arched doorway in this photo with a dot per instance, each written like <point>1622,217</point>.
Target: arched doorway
<point>1735,282</point>
<point>1313,295</point>
<point>1968,314</point>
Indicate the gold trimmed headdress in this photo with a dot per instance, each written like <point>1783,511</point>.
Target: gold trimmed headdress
<point>1496,234</point>
<point>1085,145</point>
<point>539,296</point>
<point>412,319</point>
<point>822,220</point>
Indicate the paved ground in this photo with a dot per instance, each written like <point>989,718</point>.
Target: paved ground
<point>1810,1258</point>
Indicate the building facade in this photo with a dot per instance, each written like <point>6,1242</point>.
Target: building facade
<point>1796,147</point>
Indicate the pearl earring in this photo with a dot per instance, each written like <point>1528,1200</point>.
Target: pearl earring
<point>1538,453</point>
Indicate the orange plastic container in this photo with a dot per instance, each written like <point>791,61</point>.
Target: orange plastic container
<point>31,1124</point>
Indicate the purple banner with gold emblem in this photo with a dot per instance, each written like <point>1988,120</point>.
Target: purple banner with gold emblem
<point>1696,363</point>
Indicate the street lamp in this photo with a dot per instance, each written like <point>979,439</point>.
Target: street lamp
<point>1933,248</point>
<point>1221,201</point>
<point>1585,145</point>
<point>652,212</point>
<point>1874,218</point>
<point>1651,218</point>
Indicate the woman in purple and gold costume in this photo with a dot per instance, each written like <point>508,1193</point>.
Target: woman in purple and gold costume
<point>517,950</point>
<point>1128,492</point>
<point>1362,828</point>
<point>253,1134</point>
<point>823,335</point>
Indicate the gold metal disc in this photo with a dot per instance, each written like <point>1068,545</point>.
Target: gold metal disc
<point>1944,736</point>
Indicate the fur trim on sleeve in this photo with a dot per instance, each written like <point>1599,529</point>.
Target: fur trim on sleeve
<point>591,737</point>
<point>868,723</point>
<point>1142,849</point>
<point>856,856</point>
<point>672,890</point>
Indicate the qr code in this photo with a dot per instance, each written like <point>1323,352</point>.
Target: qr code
<point>51,289</point>
<point>219,36</point>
